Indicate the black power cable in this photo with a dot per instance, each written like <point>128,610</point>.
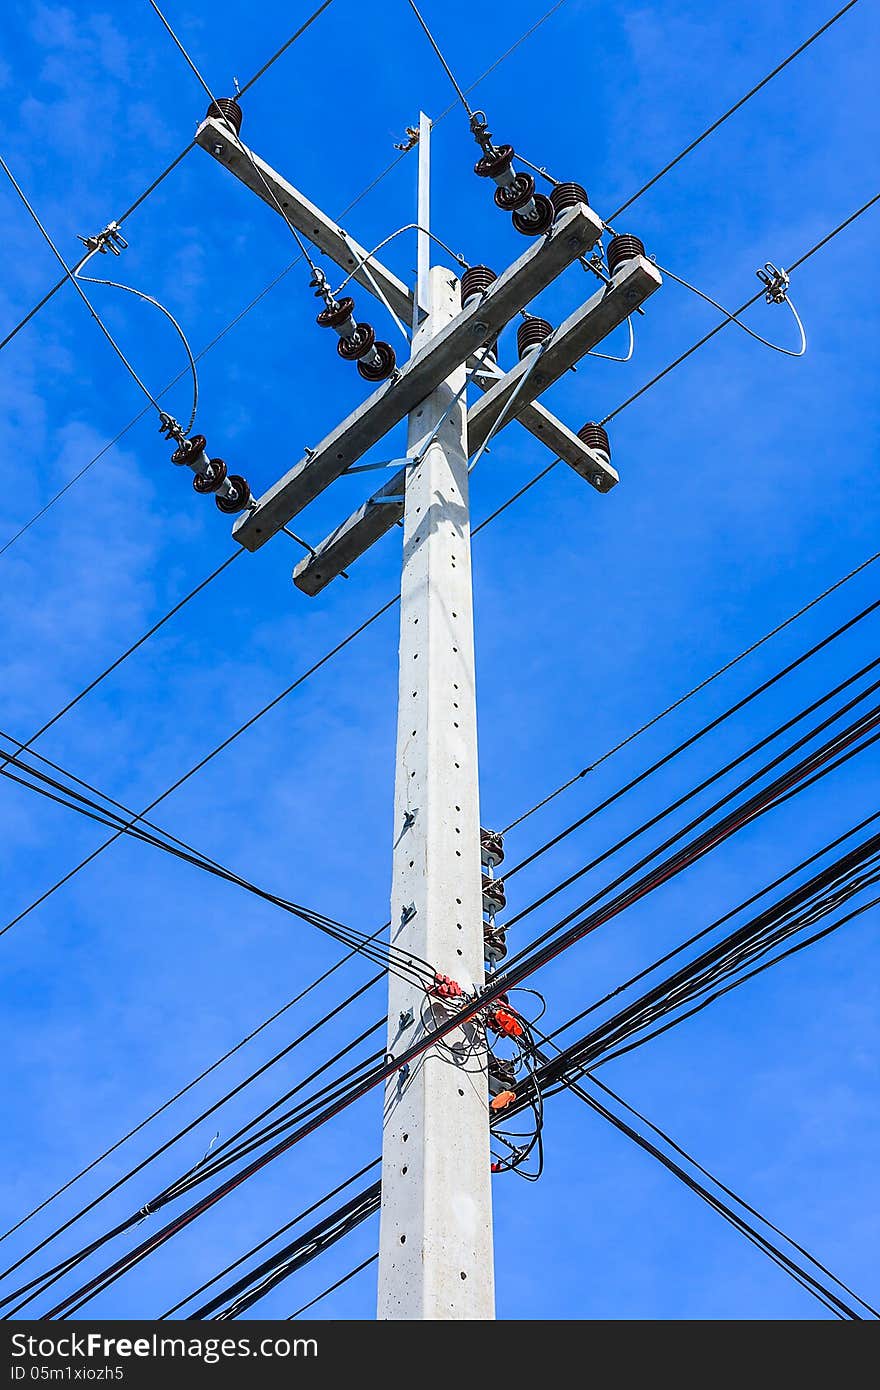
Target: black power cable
<point>825,1295</point>
<point>282,1230</point>
<point>754,807</point>
<point>761,689</point>
<point>182,1133</point>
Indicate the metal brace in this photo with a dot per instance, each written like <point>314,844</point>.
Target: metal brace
<point>407,914</point>
<point>775,282</point>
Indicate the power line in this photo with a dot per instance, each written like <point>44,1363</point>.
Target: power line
<point>695,690</point>
<point>804,773</point>
<point>123,217</point>
<point>333,1287</point>
<point>272,283</point>
<point>282,1230</point>
<point>727,114</point>
<point>827,1296</point>
<point>390,604</point>
<point>368,189</point>
<point>343,960</point>
<point>766,685</point>
<point>715,723</point>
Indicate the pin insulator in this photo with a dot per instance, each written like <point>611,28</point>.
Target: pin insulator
<point>595,437</point>
<point>540,222</point>
<point>475,281</point>
<point>492,846</point>
<point>621,249</point>
<point>516,194</point>
<point>226,109</point>
<point>229,505</point>
<point>531,334</point>
<point>336,314</point>
<point>495,163</point>
<point>382,366</point>
<point>360,344</point>
<point>205,483</point>
<point>567,195</point>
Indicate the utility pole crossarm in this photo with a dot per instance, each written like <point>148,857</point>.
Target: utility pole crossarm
<point>583,330</point>
<point>227,148</point>
<point>633,283</point>
<point>573,234</point>
<point>215,137</point>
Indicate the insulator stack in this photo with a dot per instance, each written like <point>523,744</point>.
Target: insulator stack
<point>376,361</point>
<point>231,491</point>
<point>474,283</point>
<point>567,195</point>
<point>595,437</point>
<point>225,109</point>
<point>531,333</point>
<point>621,249</point>
<point>494,897</point>
<point>514,192</point>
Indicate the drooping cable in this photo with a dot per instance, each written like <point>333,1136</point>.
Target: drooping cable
<point>169,169</point>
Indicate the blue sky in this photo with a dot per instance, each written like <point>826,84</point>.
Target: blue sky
<point>747,485</point>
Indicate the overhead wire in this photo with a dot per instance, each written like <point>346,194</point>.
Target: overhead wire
<point>399,961</point>
<point>825,1295</point>
<point>333,1287</point>
<point>855,214</point>
<point>695,690</point>
<point>378,179</point>
<point>201,1172</point>
<point>732,317</point>
<point>716,722</point>
<point>282,1230</point>
<point>512,975</point>
<point>74,279</point>
<point>169,169</point>
<point>812,651</point>
<point>733,109</point>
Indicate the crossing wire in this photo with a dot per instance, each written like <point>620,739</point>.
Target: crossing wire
<point>369,188</point>
<point>123,217</point>
<point>380,612</point>
<point>805,773</point>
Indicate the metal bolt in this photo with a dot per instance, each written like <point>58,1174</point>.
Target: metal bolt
<point>217,150</point>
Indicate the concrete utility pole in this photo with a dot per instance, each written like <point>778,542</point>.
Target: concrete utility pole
<point>436,1258</point>
<point>435,1248</point>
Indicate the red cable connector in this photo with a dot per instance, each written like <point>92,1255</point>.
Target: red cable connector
<point>444,987</point>
<point>502,1019</point>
